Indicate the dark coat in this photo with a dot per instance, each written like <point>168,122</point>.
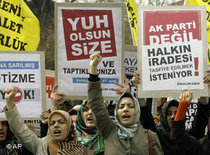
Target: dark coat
<point>194,142</point>
<point>109,130</point>
<point>189,144</point>
<point>163,131</point>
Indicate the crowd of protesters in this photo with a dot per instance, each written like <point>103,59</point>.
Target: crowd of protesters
<point>88,129</point>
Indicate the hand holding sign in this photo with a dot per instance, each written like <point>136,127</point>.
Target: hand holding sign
<point>95,59</point>
<point>9,96</point>
<point>56,98</point>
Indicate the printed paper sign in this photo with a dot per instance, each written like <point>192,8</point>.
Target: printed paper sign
<point>172,50</point>
<point>87,32</point>
<point>20,30</point>
<point>35,126</point>
<point>82,31</point>
<point>130,61</point>
<point>22,71</point>
<point>50,81</point>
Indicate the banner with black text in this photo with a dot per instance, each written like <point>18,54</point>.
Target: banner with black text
<point>82,30</point>
<point>173,49</point>
<point>24,71</point>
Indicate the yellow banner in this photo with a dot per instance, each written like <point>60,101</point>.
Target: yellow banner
<point>132,13</point>
<point>207,4</point>
<point>19,27</point>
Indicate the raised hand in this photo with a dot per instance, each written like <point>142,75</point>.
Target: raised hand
<point>9,96</point>
<point>95,59</point>
<point>186,96</point>
<point>44,116</point>
<point>56,98</point>
<point>184,102</point>
<point>124,87</point>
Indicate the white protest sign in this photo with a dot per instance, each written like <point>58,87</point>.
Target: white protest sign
<point>172,50</point>
<point>130,60</point>
<point>23,70</point>
<point>80,31</point>
<point>36,126</point>
<point>130,63</point>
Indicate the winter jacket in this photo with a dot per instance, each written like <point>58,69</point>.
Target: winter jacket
<point>38,146</point>
<point>195,143</point>
<point>113,145</point>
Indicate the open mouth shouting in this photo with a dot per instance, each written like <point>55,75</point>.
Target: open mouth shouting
<point>90,120</point>
<point>57,132</point>
<point>126,117</point>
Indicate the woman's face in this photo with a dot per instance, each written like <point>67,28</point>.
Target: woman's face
<point>170,114</point>
<point>3,130</point>
<point>58,127</point>
<point>88,117</point>
<point>126,110</point>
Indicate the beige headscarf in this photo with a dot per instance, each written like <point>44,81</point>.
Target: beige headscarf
<point>70,145</point>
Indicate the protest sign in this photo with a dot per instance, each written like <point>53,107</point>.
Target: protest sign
<point>130,63</point>
<point>130,60</point>
<point>50,81</point>
<point>82,30</point>
<point>23,70</point>
<point>172,50</point>
<point>132,15</point>
<point>35,126</point>
<point>19,27</point>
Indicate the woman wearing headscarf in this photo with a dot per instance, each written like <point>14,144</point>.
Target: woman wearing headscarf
<point>85,127</point>
<point>61,138</point>
<point>126,136</point>
<point>86,130</point>
<point>168,112</point>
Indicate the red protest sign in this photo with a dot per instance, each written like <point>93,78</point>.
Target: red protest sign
<point>50,81</point>
<point>171,26</point>
<point>87,32</point>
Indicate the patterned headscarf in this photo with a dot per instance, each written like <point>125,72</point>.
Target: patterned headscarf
<point>127,132</point>
<point>89,137</point>
<point>69,146</point>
